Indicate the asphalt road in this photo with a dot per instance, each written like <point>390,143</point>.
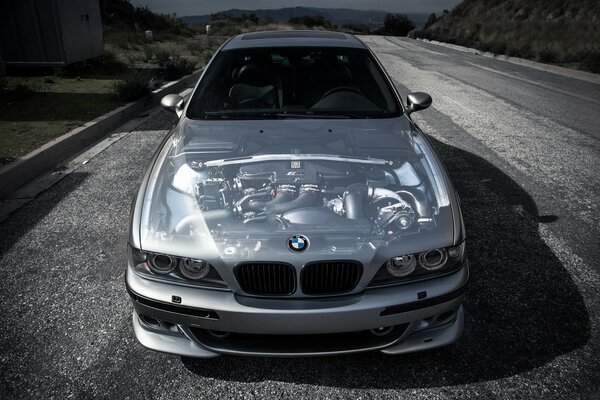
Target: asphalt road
<point>523,148</point>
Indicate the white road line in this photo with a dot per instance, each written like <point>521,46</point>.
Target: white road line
<point>458,104</point>
<point>549,68</point>
<point>411,46</point>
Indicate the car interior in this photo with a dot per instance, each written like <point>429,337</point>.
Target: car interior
<point>294,80</point>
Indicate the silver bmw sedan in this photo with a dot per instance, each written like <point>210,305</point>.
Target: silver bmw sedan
<point>296,210</point>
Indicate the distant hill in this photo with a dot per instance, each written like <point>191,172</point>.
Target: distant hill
<point>121,15</point>
<point>565,32</point>
<point>338,16</point>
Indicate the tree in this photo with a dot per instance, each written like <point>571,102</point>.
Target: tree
<point>311,21</point>
<point>431,20</point>
<point>397,25</point>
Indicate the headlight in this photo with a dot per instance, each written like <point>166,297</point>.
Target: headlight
<point>194,269</point>
<point>401,266</point>
<point>433,260</point>
<point>176,269</point>
<point>162,264</point>
<point>414,266</point>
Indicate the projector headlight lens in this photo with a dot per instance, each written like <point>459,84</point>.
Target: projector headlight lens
<point>433,260</point>
<point>162,264</point>
<point>194,269</point>
<point>402,265</point>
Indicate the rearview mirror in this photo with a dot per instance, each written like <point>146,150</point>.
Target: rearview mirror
<point>173,103</point>
<point>418,101</point>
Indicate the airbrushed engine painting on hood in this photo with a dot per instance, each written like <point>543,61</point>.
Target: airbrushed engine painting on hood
<point>296,210</point>
<point>227,192</point>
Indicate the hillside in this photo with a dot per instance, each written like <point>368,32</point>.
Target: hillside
<point>565,32</point>
<point>338,16</point>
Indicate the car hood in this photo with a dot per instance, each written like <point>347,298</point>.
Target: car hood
<point>354,189</point>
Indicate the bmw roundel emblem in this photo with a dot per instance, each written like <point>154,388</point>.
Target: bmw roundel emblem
<point>298,243</point>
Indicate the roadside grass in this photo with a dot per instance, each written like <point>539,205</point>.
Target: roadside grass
<point>37,109</point>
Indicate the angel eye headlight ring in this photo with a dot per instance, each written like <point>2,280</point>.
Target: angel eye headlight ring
<point>161,263</point>
<point>433,260</point>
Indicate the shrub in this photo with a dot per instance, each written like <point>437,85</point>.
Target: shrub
<point>22,90</point>
<point>162,56</point>
<point>124,40</point>
<point>498,48</point>
<point>356,28</point>
<point>547,55</point>
<point>132,87</point>
<point>108,64</point>
<point>591,62</point>
<point>431,20</point>
<point>311,21</point>
<point>177,67</point>
<point>396,25</point>
<point>224,28</point>
<point>196,46</point>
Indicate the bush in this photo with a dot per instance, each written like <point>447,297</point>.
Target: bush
<point>547,55</point>
<point>132,87</point>
<point>498,48</point>
<point>22,90</point>
<point>177,67</point>
<point>396,25</point>
<point>356,28</point>
<point>591,62</point>
<point>124,40</point>
<point>109,63</point>
<point>162,56</point>
<point>431,20</point>
<point>311,21</point>
<point>224,28</point>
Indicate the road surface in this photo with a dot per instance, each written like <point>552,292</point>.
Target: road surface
<point>523,148</point>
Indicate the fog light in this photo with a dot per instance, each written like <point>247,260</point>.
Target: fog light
<point>161,263</point>
<point>382,331</point>
<point>433,259</point>
<point>402,265</point>
<point>194,269</point>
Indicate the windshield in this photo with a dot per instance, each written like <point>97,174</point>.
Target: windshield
<point>295,82</point>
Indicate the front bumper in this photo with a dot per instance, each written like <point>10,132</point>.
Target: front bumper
<point>425,314</point>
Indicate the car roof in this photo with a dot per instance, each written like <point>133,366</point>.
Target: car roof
<point>293,39</point>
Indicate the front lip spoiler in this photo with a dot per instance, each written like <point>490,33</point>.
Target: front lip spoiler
<point>432,301</point>
<point>194,312</point>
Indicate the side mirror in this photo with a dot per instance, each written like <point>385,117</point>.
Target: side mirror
<point>418,101</point>
<point>173,103</point>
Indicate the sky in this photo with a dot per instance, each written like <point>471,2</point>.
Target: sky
<point>201,7</point>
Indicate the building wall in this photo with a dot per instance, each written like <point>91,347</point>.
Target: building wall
<point>81,28</point>
<point>50,32</point>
